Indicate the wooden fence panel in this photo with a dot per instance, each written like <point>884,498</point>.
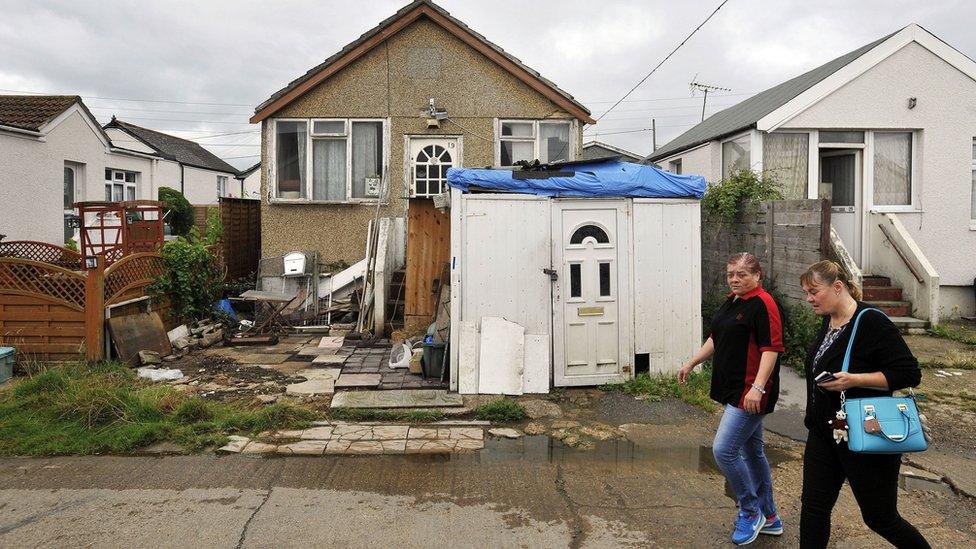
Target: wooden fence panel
<point>41,328</point>
<point>428,252</point>
<point>241,240</point>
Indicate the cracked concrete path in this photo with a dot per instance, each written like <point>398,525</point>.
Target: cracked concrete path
<point>522,493</point>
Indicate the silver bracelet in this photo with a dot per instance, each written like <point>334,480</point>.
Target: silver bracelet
<point>758,388</point>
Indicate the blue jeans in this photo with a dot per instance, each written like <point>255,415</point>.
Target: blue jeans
<point>740,454</point>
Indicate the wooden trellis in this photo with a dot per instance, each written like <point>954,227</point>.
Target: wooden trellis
<point>130,276</point>
<point>42,252</point>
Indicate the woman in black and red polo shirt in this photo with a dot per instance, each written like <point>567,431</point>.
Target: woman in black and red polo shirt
<point>745,344</point>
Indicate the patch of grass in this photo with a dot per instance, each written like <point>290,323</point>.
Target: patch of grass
<point>952,360</point>
<point>84,409</point>
<point>503,410</point>
<point>657,387</point>
<point>358,414</point>
<point>955,333</point>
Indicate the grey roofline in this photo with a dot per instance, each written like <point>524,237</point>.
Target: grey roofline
<point>127,128</point>
<point>386,22</point>
<point>744,115</point>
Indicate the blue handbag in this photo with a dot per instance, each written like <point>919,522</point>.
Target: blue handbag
<point>898,428</point>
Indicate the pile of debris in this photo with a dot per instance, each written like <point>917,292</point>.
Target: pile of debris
<point>199,335</point>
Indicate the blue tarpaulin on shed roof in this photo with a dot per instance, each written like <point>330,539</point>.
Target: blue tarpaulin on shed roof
<point>580,179</point>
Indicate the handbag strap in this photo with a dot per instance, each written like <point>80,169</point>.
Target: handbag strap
<point>850,344</point>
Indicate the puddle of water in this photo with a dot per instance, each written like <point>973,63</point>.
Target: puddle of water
<point>912,483</point>
<point>613,454</point>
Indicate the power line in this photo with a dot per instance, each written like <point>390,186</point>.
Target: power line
<point>135,100</point>
<point>186,120</point>
<point>642,80</point>
<point>666,98</point>
<point>239,157</point>
<point>166,111</point>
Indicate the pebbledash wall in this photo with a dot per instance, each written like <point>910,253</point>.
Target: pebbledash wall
<point>389,82</point>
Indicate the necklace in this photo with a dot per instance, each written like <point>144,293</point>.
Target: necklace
<point>846,316</point>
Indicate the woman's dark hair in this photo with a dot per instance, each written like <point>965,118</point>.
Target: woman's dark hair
<point>749,261</point>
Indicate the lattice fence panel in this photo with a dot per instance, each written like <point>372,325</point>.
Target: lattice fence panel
<point>39,278</point>
<point>42,252</point>
<point>133,271</point>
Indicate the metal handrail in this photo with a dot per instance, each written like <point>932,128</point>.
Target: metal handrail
<point>901,254</point>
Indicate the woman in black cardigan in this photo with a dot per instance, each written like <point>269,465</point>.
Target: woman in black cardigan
<point>881,362</point>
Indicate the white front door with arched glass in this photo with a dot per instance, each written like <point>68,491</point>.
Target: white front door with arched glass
<point>429,159</point>
<point>590,309</point>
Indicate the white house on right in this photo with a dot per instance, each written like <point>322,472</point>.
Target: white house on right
<point>888,133</point>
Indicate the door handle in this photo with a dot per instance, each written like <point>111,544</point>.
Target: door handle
<point>553,275</point>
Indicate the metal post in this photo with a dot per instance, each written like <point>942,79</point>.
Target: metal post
<point>653,135</point>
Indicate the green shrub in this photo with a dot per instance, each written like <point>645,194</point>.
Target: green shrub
<point>191,278</point>
<point>800,333</point>
<point>215,227</point>
<point>501,410</point>
<point>179,212</point>
<point>727,199</point>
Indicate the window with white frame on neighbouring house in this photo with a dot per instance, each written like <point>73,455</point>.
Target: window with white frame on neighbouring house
<point>120,185</point>
<point>528,140</point>
<point>787,157</point>
<point>892,168</point>
<point>972,209</point>
<point>347,159</point>
<point>736,155</point>
<point>674,166</point>
<point>221,185</point>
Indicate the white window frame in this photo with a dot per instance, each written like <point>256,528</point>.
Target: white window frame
<point>676,163</point>
<point>751,136</point>
<point>914,206</point>
<point>134,185</point>
<point>221,185</point>
<point>972,213</point>
<point>310,124</point>
<point>573,136</point>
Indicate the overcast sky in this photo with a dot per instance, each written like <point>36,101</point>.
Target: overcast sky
<point>207,64</point>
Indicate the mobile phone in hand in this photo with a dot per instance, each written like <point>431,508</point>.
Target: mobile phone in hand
<point>823,377</point>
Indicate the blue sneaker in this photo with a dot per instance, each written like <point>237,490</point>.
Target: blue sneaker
<point>747,528</point>
<point>773,526</point>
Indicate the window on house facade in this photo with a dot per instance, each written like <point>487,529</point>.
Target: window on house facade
<point>892,168</point>
<point>674,166</point>
<point>120,185</point>
<point>787,157</point>
<point>736,155</point>
<point>347,162</point>
<point>528,140</point>
<point>69,201</point>
<point>841,137</point>
<point>221,185</point>
<point>972,210</point>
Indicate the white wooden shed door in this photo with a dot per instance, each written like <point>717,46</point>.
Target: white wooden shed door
<point>587,243</point>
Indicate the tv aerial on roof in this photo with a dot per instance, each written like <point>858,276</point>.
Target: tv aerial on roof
<point>697,86</point>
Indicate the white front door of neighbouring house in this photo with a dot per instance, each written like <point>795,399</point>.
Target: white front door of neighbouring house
<point>590,243</point>
<point>841,169</point>
<point>429,158</point>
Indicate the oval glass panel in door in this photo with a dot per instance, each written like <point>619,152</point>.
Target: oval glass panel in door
<point>430,170</point>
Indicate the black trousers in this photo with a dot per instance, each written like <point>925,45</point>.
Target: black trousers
<point>874,482</point>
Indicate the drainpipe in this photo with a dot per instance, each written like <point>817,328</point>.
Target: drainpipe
<point>181,180</point>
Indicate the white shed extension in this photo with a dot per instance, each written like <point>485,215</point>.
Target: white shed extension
<point>570,291</point>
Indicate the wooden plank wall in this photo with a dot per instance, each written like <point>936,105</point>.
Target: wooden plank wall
<point>200,218</point>
<point>241,240</point>
<point>786,235</point>
<point>41,329</point>
<point>428,254</point>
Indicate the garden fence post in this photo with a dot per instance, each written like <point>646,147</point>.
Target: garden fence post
<point>95,310</point>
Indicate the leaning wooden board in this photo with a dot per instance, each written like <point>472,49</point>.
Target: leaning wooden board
<point>138,332</point>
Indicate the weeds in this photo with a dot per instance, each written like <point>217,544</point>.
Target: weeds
<point>955,333</point>
<point>413,416</point>
<point>503,410</point>
<point>657,387</point>
<point>103,408</point>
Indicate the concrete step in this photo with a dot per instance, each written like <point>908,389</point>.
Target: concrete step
<point>909,325</point>
<point>882,293</point>
<point>872,280</point>
<point>894,308</point>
